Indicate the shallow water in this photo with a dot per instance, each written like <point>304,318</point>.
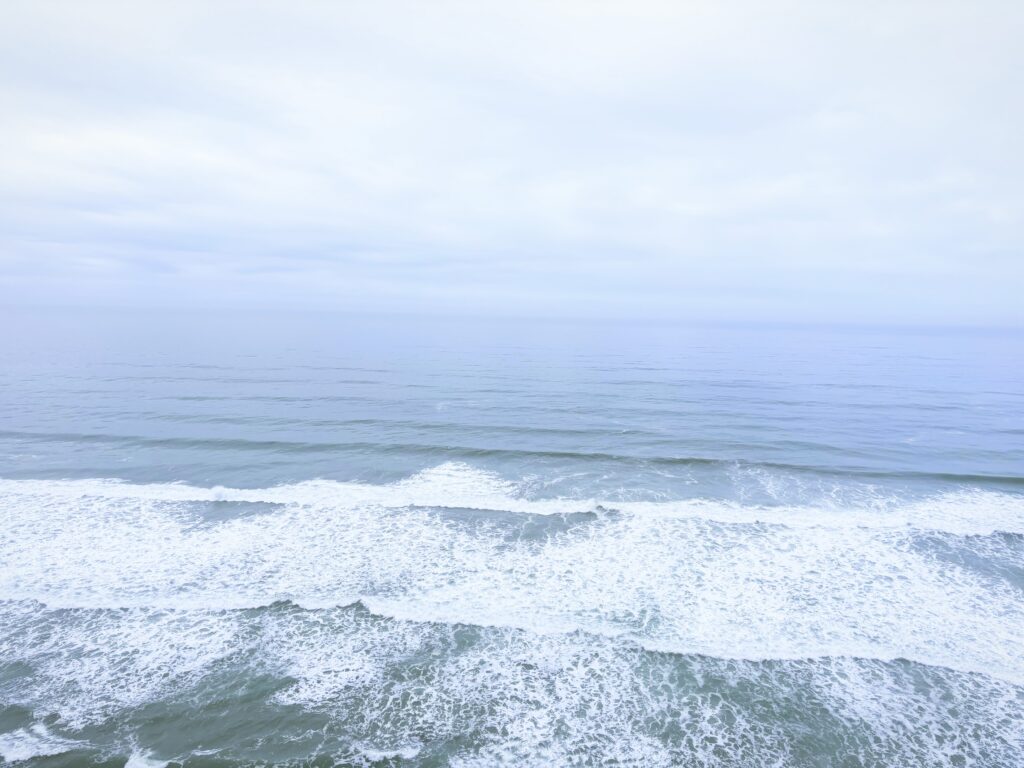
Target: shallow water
<point>229,539</point>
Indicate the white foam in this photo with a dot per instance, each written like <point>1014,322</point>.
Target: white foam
<point>712,583</point>
<point>550,699</point>
<point>457,485</point>
<point>95,665</point>
<point>537,699</point>
<point>533,699</point>
<point>375,755</point>
<point>143,759</point>
<point>34,741</point>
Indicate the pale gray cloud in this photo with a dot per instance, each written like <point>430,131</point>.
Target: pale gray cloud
<point>792,160</point>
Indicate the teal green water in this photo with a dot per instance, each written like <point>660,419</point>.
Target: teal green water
<point>313,539</point>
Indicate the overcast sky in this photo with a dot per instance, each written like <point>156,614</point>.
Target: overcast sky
<point>837,161</point>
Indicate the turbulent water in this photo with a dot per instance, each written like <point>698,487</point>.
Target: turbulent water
<point>230,540</point>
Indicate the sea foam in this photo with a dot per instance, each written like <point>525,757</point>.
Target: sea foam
<point>458,485</point>
<point>695,582</point>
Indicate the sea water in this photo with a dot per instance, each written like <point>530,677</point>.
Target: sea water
<point>237,538</point>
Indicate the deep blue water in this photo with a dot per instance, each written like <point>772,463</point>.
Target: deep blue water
<point>228,538</point>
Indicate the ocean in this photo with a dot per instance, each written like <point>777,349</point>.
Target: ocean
<point>308,538</point>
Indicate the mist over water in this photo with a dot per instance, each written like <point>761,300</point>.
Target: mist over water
<point>235,538</point>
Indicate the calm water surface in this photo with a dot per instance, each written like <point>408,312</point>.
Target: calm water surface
<point>234,539</point>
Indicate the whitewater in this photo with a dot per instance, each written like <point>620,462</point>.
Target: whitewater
<point>390,545</point>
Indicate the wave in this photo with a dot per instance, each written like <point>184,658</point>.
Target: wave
<point>409,613</point>
<point>458,485</point>
<point>471,452</point>
<point>34,741</point>
<point>199,636</point>
<point>695,577</point>
<point>398,688</point>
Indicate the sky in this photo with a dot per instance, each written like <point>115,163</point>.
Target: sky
<point>799,161</point>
